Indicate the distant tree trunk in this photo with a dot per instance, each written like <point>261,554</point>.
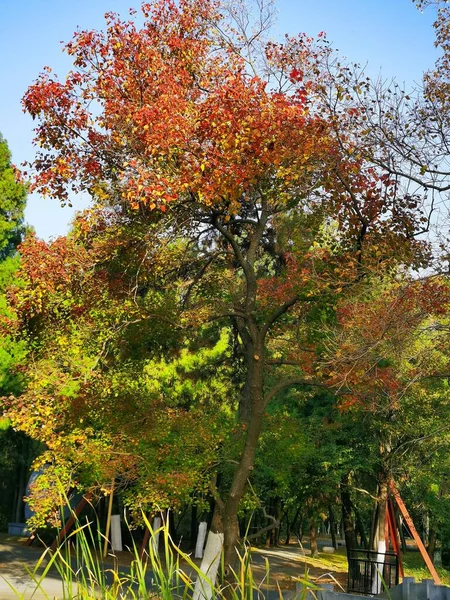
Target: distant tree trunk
<point>290,525</point>
<point>401,530</point>
<point>269,534</point>
<point>373,525</point>
<point>360,527</point>
<point>194,527</point>
<point>18,509</point>
<point>431,548</point>
<point>170,515</point>
<point>22,480</point>
<point>277,515</point>
<point>313,537</point>
<point>332,526</point>
<point>347,516</point>
<point>426,528</point>
<point>300,529</point>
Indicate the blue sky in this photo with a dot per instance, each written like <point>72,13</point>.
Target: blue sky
<point>391,35</point>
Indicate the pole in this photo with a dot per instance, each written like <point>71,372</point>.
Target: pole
<point>108,520</point>
<point>394,535</point>
<point>71,520</point>
<point>415,535</point>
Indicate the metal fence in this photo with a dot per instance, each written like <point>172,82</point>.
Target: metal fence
<point>371,572</point>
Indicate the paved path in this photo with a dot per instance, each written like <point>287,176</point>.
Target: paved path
<point>17,570</point>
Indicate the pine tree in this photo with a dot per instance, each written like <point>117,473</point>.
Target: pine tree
<point>13,196</point>
<point>14,446</point>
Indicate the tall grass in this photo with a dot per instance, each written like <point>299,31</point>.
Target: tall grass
<point>168,574</point>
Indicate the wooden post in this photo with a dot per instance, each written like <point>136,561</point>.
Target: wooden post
<point>144,542</point>
<point>394,535</point>
<point>108,520</point>
<point>70,521</point>
<point>415,535</point>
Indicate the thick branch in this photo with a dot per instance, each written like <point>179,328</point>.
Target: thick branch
<point>258,233</point>
<point>296,381</point>
<point>273,525</point>
<point>277,313</point>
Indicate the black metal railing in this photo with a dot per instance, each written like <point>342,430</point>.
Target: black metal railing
<point>371,572</point>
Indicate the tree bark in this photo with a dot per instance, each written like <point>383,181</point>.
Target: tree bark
<point>273,535</point>
<point>22,480</point>
<point>269,534</point>
<point>194,527</point>
<point>360,527</point>
<point>431,548</point>
<point>254,398</point>
<point>347,516</point>
<point>401,531</point>
<point>290,525</point>
<point>380,522</point>
<point>313,537</point>
<point>332,527</point>
<point>300,529</point>
<point>379,543</point>
<point>204,585</point>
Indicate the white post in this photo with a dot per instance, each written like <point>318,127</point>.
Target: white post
<point>155,534</point>
<point>209,567</point>
<point>200,539</point>
<point>116,533</point>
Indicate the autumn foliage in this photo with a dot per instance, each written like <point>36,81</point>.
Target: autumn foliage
<point>235,219</point>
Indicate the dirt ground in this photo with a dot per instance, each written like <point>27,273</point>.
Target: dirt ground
<point>292,563</point>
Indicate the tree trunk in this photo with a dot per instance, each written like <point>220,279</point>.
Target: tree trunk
<point>21,485</point>
<point>269,534</point>
<point>193,534</point>
<point>360,527</point>
<point>401,530</point>
<point>290,525</point>
<point>379,538</point>
<point>300,529</point>
<point>170,523</point>
<point>313,537</point>
<point>347,516</point>
<point>22,480</point>
<point>426,528</point>
<point>156,527</point>
<point>204,585</point>
<point>431,548</point>
<point>200,543</point>
<point>373,526</point>
<point>278,517</point>
<point>332,527</point>
<point>273,535</point>
<point>380,545</point>
<point>254,398</point>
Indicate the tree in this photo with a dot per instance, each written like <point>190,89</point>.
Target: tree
<point>13,194</point>
<point>14,447</point>
<point>280,212</point>
<point>391,352</point>
<point>118,389</point>
<point>12,204</point>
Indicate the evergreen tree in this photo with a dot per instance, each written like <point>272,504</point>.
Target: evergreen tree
<point>14,446</point>
<point>13,196</point>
